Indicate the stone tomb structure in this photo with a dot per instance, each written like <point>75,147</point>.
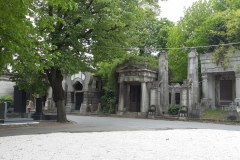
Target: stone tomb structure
<point>82,92</point>
<point>141,87</point>
<point>134,88</point>
<point>220,86</point>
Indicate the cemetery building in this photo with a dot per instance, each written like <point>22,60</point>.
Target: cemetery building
<point>82,92</point>
<point>221,84</point>
<point>142,88</point>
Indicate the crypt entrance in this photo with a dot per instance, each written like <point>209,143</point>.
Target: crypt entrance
<point>220,86</point>
<point>134,88</point>
<point>78,95</point>
<point>132,97</point>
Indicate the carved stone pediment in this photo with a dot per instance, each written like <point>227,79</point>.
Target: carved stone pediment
<point>128,67</point>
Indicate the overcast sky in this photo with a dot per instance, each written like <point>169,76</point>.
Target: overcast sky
<point>174,9</point>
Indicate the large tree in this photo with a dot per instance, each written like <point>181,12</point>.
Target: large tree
<point>16,30</point>
<point>205,23</point>
<point>76,35</point>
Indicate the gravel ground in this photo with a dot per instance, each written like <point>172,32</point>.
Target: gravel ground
<point>197,144</point>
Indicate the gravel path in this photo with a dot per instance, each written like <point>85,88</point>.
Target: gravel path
<point>197,144</point>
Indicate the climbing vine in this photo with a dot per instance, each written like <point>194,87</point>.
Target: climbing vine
<point>222,55</point>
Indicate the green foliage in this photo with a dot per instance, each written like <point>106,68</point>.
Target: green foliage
<point>8,99</point>
<point>155,34</point>
<point>212,22</point>
<point>107,72</point>
<point>183,35</point>
<point>173,110</point>
<point>222,55</point>
<point>32,82</point>
<point>215,114</point>
<point>151,62</point>
<point>16,31</point>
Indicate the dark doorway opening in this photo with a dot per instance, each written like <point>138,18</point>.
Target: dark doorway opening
<point>135,98</point>
<point>78,95</point>
<point>226,92</point>
<point>79,100</point>
<point>177,98</point>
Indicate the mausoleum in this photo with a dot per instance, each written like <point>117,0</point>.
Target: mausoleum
<point>221,85</point>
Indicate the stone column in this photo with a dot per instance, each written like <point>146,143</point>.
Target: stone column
<point>121,97</point>
<point>204,86</point>
<point>211,91</point>
<point>153,97</point>
<point>84,105</point>
<point>193,78</point>
<point>144,98</point>
<point>163,79</point>
<point>159,107</point>
<point>127,98</point>
<point>173,98</point>
<point>237,100</point>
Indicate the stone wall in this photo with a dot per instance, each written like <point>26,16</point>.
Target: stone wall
<point>6,86</point>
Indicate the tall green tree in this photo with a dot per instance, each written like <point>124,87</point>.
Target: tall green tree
<point>183,35</point>
<point>156,34</point>
<point>16,30</point>
<point>78,34</point>
<point>205,23</point>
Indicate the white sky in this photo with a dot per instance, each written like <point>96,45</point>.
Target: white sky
<point>174,9</point>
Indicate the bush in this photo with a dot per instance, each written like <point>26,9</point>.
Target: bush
<point>173,110</point>
<point>7,99</point>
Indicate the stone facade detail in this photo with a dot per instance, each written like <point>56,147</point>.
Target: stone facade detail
<point>221,85</point>
<point>82,92</point>
<point>6,86</point>
<point>134,88</point>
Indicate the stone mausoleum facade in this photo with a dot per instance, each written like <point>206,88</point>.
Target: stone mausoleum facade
<point>82,92</point>
<point>142,89</point>
<point>221,85</point>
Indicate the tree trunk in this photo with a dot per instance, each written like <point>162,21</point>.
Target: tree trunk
<point>61,111</point>
<point>55,78</point>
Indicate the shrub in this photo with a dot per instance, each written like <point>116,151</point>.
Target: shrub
<point>173,110</point>
<point>7,99</point>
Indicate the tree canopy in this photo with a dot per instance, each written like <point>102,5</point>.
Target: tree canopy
<point>75,35</point>
<point>16,30</point>
<point>205,23</point>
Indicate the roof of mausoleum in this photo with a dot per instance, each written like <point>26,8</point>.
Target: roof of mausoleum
<point>209,65</point>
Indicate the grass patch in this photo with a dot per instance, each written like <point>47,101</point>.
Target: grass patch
<point>215,114</point>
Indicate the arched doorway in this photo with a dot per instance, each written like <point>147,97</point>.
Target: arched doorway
<point>78,95</point>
